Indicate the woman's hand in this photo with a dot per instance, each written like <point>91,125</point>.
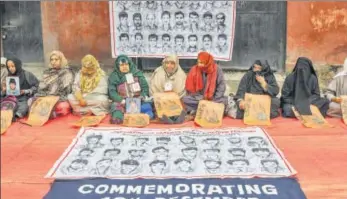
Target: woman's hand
<point>337,100</point>
<point>242,104</point>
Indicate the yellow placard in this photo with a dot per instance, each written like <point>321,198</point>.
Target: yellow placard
<point>41,110</point>
<point>209,114</point>
<point>6,120</point>
<point>316,120</point>
<point>136,120</point>
<point>344,108</point>
<point>86,121</point>
<point>257,109</point>
<point>168,104</point>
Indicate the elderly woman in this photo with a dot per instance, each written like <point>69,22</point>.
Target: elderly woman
<point>205,81</point>
<point>168,77</point>
<point>89,89</point>
<point>57,81</point>
<point>301,89</point>
<point>258,80</point>
<point>126,81</point>
<point>28,84</point>
<point>337,88</point>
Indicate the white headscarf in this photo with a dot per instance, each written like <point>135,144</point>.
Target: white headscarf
<point>344,71</point>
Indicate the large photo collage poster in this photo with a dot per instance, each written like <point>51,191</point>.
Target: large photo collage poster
<point>158,28</point>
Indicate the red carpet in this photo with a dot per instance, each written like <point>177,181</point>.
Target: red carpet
<point>319,155</point>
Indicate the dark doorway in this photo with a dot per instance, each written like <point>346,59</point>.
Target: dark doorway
<point>21,30</point>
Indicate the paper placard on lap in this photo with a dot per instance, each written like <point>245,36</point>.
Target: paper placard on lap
<point>86,121</point>
<point>209,114</point>
<point>344,108</point>
<point>129,78</point>
<point>257,109</point>
<point>6,120</point>
<point>316,120</point>
<point>41,110</point>
<point>136,120</point>
<point>168,104</point>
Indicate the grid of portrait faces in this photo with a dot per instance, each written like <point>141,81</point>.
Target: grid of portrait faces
<point>173,153</point>
<point>184,28</point>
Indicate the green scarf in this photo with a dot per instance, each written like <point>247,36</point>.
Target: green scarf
<point>116,78</point>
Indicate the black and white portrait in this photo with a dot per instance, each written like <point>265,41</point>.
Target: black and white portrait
<point>237,152</point>
<point>138,46</point>
<point>93,141</point>
<point>141,141</point>
<point>212,142</point>
<point>123,22</point>
<point>187,141</point>
<point>179,44</point>
<point>238,166</point>
<point>158,167</point>
<point>136,154</point>
<point>256,142</point>
<point>166,43</point>
<point>194,22</point>
<point>86,153</point>
<point>161,153</point>
<point>163,140</point>
<point>124,42</point>
<point>235,140</point>
<point>116,142</point>
<point>102,167</point>
<point>112,153</point>
<point>212,166</point>
<point>166,22</point>
<point>190,152</point>
<point>153,43</point>
<point>192,44</point>
<point>211,154</point>
<point>76,167</point>
<point>129,167</point>
<point>271,166</point>
<point>184,165</point>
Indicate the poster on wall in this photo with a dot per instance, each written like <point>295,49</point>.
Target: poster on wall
<point>157,28</point>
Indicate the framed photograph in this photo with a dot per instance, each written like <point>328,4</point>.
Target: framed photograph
<point>12,86</point>
<point>133,105</point>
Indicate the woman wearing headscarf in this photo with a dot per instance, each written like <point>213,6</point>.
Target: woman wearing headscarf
<point>301,89</point>
<point>89,89</point>
<point>28,87</point>
<point>168,77</point>
<point>337,88</point>
<point>57,81</point>
<point>259,80</point>
<point>205,81</point>
<point>126,81</point>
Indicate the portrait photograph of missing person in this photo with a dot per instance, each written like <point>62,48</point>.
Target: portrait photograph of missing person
<point>158,28</point>
<point>12,86</point>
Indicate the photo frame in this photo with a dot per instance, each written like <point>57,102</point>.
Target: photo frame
<point>12,86</point>
<point>133,105</point>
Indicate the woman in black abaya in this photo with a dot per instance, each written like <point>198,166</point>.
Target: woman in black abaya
<point>258,80</point>
<point>301,89</point>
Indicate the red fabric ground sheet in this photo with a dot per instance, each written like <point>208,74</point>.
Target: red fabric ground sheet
<point>319,155</point>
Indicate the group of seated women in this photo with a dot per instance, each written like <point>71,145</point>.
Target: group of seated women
<point>93,92</point>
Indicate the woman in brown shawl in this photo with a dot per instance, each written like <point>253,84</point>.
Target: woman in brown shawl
<point>57,81</point>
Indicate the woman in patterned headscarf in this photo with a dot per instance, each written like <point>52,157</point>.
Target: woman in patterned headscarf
<point>120,88</point>
<point>90,89</point>
<point>57,81</point>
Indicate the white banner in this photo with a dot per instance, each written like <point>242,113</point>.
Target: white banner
<point>184,28</point>
<point>171,153</point>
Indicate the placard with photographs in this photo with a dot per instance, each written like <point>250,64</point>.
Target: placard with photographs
<point>171,153</point>
<point>184,28</point>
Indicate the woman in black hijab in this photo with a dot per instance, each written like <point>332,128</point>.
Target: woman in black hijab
<point>258,80</point>
<point>28,86</point>
<point>301,89</point>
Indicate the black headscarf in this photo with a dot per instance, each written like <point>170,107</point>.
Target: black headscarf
<point>249,83</point>
<point>20,73</point>
<point>302,73</point>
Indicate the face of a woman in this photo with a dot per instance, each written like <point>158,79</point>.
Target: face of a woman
<point>124,67</point>
<point>55,61</point>
<point>11,67</point>
<point>169,66</point>
<point>88,69</point>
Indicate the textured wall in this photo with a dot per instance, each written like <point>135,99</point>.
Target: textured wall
<point>317,30</point>
<point>77,28</point>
